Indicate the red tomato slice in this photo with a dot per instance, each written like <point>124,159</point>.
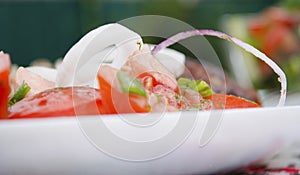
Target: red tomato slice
<point>221,101</point>
<point>4,83</point>
<point>115,100</point>
<point>70,101</point>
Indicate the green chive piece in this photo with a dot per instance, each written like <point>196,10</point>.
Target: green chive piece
<point>197,85</point>
<point>204,89</point>
<point>19,94</point>
<point>130,84</point>
<point>185,83</point>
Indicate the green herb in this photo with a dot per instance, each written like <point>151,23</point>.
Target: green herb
<point>19,94</point>
<point>130,84</point>
<point>197,85</point>
<point>159,98</point>
<point>140,45</point>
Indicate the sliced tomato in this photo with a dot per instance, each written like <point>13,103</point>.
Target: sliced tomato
<point>69,101</point>
<point>222,101</point>
<point>115,100</point>
<point>4,83</point>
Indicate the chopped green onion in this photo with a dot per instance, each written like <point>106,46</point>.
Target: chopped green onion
<point>204,89</point>
<point>197,85</point>
<point>19,94</point>
<point>130,85</point>
<point>140,45</point>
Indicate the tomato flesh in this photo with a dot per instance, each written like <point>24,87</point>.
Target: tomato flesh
<point>4,84</point>
<point>222,101</point>
<point>69,101</point>
<point>115,100</point>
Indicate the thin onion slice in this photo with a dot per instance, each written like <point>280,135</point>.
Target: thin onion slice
<point>108,43</point>
<point>183,35</point>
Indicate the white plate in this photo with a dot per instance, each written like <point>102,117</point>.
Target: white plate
<point>65,146</point>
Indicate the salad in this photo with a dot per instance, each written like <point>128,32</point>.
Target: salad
<point>135,81</point>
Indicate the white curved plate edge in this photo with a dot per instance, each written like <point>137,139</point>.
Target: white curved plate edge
<point>58,145</point>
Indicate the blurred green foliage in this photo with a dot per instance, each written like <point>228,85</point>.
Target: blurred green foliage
<point>47,29</point>
<point>291,4</point>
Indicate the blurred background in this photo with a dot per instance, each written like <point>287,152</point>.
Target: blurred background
<point>32,29</point>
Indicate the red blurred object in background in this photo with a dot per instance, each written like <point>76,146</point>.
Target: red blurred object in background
<point>274,31</point>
